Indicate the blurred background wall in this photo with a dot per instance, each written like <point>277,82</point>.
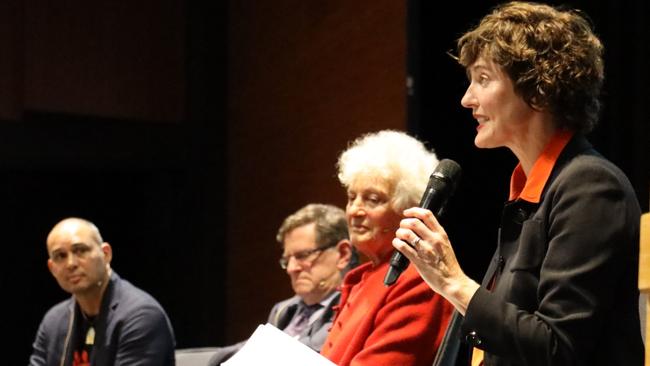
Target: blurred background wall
<point>188,130</point>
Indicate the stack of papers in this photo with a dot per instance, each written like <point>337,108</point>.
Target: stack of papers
<point>270,346</point>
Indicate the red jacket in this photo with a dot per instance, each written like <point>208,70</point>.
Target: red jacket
<point>402,324</point>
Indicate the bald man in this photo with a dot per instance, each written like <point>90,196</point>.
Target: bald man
<point>107,321</point>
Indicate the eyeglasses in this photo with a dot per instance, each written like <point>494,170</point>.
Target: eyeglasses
<point>303,257</point>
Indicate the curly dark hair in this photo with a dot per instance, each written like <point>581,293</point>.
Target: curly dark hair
<point>552,56</point>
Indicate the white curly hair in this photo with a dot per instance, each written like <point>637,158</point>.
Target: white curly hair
<point>400,160</point>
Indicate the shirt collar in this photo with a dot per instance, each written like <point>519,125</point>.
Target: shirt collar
<point>530,188</point>
<point>326,301</point>
<point>323,303</point>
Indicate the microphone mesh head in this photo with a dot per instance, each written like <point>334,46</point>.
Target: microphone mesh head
<point>448,169</point>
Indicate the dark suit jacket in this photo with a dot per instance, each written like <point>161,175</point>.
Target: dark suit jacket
<point>131,329</point>
<point>566,272</point>
<point>280,316</point>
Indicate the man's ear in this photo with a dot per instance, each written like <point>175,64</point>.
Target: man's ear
<point>108,252</point>
<point>49,265</point>
<point>344,247</point>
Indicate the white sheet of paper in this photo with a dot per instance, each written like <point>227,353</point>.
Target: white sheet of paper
<point>270,346</point>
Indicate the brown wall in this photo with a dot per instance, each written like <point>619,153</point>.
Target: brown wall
<point>305,78</point>
<point>10,62</point>
<point>109,59</point>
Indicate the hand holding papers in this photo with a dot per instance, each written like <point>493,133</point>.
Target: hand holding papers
<point>270,346</point>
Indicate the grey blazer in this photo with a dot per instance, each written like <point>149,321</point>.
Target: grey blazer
<point>132,329</point>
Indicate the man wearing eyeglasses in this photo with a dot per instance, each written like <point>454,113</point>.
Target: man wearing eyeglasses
<point>107,320</point>
<point>316,253</point>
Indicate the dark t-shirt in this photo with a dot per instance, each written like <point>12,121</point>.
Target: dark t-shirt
<point>83,345</point>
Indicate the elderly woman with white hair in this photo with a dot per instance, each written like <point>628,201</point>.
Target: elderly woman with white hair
<point>383,174</point>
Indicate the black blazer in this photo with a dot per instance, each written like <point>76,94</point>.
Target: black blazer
<point>566,272</point>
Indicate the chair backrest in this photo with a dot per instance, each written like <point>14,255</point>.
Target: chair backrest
<point>644,279</point>
<point>194,356</point>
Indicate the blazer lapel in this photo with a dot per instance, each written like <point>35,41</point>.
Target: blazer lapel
<point>286,314</point>
<point>327,315</point>
<point>110,302</point>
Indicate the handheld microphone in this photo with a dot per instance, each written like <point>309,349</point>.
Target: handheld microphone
<point>442,184</point>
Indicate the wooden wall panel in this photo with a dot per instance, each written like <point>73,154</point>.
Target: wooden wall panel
<point>10,59</point>
<point>110,59</point>
<point>306,77</point>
